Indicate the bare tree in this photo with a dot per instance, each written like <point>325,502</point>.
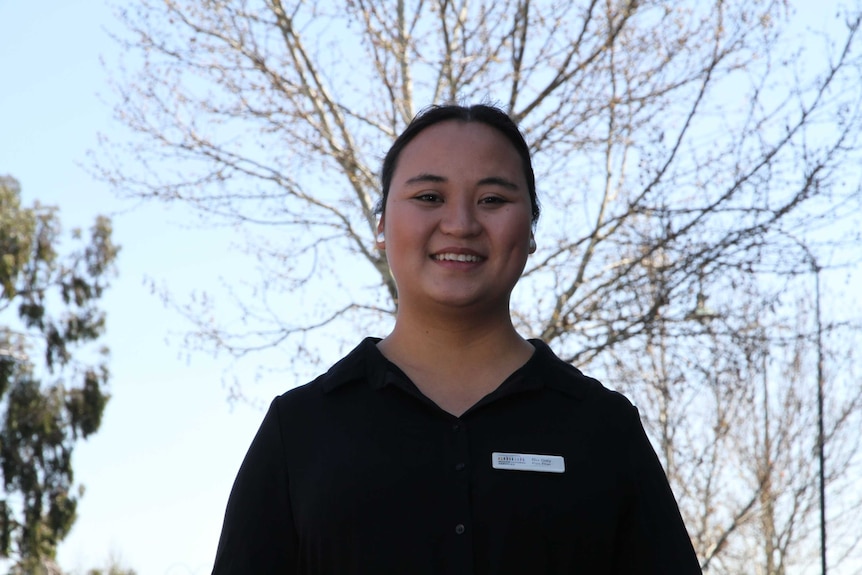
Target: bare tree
<point>680,148</point>
<point>731,407</point>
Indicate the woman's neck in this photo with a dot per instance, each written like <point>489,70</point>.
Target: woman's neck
<point>454,332</point>
<point>456,363</point>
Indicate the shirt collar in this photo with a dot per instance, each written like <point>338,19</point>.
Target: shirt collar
<point>543,369</point>
<point>549,370</point>
<point>364,362</point>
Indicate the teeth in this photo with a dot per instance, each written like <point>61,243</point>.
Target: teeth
<point>457,257</point>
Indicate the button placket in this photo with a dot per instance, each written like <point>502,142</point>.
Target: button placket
<point>461,534</point>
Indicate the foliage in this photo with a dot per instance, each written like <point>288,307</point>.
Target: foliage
<point>114,567</point>
<point>113,570</point>
<point>682,149</point>
<point>52,385</point>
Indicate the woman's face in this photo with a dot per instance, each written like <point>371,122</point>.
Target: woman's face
<point>457,221</point>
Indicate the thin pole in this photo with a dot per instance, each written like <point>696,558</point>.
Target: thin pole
<point>820,435</point>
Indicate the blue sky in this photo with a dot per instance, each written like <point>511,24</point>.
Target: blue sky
<point>158,473</point>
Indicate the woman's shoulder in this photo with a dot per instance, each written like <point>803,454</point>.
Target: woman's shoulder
<point>354,367</point>
<point>564,377</point>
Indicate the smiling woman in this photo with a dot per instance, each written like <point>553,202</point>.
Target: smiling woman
<point>454,445</point>
<point>456,225</point>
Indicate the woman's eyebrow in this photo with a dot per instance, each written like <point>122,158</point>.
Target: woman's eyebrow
<point>424,178</point>
<point>489,181</point>
<point>498,181</point>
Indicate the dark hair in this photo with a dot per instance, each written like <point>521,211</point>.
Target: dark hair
<point>482,113</point>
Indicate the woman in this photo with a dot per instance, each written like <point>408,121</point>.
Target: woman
<point>453,445</point>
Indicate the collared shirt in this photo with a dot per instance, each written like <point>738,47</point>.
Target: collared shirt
<point>359,473</point>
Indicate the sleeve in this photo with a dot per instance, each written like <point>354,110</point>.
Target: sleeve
<point>258,535</point>
<point>652,539</point>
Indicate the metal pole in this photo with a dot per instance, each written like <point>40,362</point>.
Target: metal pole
<point>820,435</point>
<point>821,456</point>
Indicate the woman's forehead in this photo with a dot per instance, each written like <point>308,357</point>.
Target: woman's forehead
<point>457,146</point>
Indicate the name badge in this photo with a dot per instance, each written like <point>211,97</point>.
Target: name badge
<point>528,462</point>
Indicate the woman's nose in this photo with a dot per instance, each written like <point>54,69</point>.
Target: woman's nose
<point>460,219</point>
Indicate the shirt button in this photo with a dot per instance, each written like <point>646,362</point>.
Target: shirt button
<point>460,466</point>
<point>456,427</point>
<point>459,529</point>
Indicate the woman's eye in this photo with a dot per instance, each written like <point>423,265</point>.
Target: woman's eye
<point>493,200</point>
<point>428,197</point>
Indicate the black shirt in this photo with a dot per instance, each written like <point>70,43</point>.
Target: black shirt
<point>359,473</point>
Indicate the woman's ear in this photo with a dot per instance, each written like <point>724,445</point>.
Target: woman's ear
<point>380,241</point>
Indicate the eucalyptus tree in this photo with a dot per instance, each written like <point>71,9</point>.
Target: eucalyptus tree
<point>53,372</point>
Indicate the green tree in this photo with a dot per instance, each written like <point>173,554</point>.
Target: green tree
<point>112,570</point>
<point>53,378</point>
<point>114,566</point>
